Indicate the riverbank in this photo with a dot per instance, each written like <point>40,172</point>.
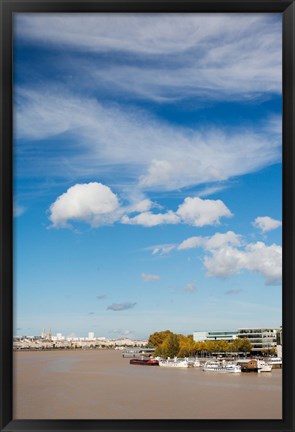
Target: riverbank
<point>101,384</point>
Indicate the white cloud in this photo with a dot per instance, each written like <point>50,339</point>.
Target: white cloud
<point>93,203</point>
<point>184,59</point>
<point>227,255</point>
<point>141,206</point>
<point>193,211</point>
<point>150,277</point>
<point>18,210</point>
<point>162,249</point>
<point>149,219</point>
<point>222,239</point>
<point>191,243</point>
<point>265,223</point>
<point>210,243</point>
<point>256,257</point>
<point>199,212</point>
<point>96,204</point>
<point>140,151</point>
<point>190,288</point>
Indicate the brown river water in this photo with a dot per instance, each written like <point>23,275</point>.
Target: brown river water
<point>101,384</point>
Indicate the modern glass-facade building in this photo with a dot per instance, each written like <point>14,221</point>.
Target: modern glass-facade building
<point>201,336</point>
<point>260,338</point>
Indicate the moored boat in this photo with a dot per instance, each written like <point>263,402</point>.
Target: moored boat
<point>276,362</point>
<point>144,362</point>
<point>175,363</point>
<point>248,365</point>
<point>221,367</point>
<point>263,366</point>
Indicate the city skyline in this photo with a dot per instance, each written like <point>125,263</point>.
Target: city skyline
<point>148,176</point>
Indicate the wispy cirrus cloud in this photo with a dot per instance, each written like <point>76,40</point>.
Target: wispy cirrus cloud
<point>162,249</point>
<point>150,277</point>
<point>151,153</point>
<point>182,58</point>
<point>233,291</point>
<point>18,210</point>
<point>190,288</point>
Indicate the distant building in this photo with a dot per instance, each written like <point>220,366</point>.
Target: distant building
<point>91,336</point>
<point>58,337</point>
<point>262,339</point>
<point>202,336</point>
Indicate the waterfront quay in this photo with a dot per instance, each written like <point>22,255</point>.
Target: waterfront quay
<point>101,384</point>
<point>35,343</point>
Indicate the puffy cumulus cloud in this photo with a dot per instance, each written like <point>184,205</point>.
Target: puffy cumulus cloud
<point>198,212</point>
<point>121,306</point>
<point>141,206</point>
<point>150,277</point>
<point>149,219</point>
<point>255,257</point>
<point>193,211</point>
<point>93,203</point>
<point>227,255</point>
<point>216,241</point>
<point>221,239</point>
<point>266,223</point>
<point>191,243</point>
<point>96,204</point>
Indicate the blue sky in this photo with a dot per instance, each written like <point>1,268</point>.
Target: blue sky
<point>147,190</point>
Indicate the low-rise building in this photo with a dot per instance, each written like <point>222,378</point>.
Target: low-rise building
<point>262,339</point>
<point>201,336</point>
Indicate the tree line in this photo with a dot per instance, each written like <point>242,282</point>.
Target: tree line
<point>169,344</point>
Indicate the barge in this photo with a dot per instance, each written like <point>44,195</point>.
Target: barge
<point>144,362</point>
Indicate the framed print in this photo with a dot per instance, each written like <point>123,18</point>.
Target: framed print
<point>147,215</point>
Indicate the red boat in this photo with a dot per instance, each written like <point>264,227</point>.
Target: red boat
<point>144,362</point>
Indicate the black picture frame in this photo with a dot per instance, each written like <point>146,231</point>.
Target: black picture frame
<point>8,8</point>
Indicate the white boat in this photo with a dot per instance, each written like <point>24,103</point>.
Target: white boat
<point>175,363</point>
<point>196,363</point>
<point>274,361</point>
<point>221,367</point>
<point>263,366</point>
